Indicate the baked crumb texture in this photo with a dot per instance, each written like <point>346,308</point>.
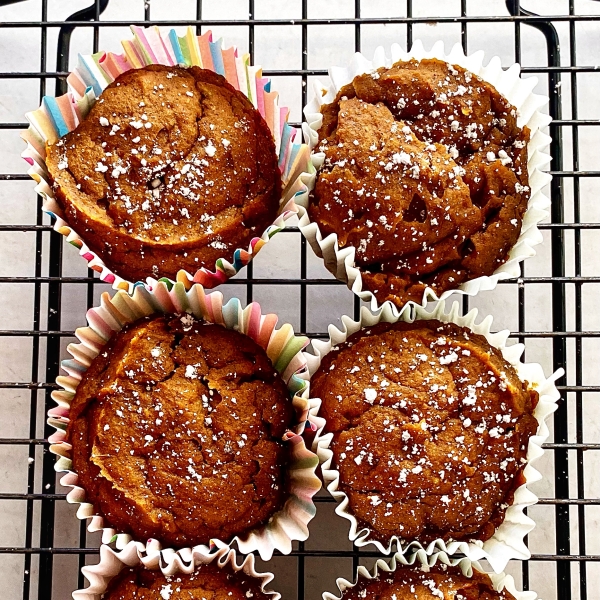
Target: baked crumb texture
<point>176,431</point>
<point>435,583</point>
<point>208,582</point>
<point>172,169</point>
<point>430,430</point>
<point>425,174</point>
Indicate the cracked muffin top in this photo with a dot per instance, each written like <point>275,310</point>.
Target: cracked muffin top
<point>430,429</point>
<point>434,583</point>
<point>207,582</point>
<point>425,174</point>
<point>176,432</point>
<point>171,169</point>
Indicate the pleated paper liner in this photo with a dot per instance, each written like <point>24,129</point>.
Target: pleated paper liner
<point>341,261</point>
<point>136,554</point>
<point>421,560</point>
<point>58,116</point>
<point>508,541</point>
<point>283,348</point>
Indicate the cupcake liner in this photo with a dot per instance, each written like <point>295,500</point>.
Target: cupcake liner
<point>422,560</point>
<point>283,348</point>
<point>508,540</point>
<point>340,261</point>
<point>136,554</point>
<point>58,116</point>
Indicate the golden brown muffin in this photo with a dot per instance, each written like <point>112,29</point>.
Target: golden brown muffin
<point>172,169</point>
<point>177,429</point>
<point>430,429</point>
<point>436,583</point>
<point>425,174</point>
<point>208,582</point>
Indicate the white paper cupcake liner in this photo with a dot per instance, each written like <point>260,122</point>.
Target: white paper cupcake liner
<point>340,261</point>
<point>58,116</point>
<point>508,541</point>
<point>150,556</point>
<point>421,560</point>
<point>283,348</point>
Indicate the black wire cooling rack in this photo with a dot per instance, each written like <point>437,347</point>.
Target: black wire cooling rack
<point>569,569</point>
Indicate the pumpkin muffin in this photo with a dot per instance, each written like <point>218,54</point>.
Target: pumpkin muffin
<point>433,583</point>
<point>425,174</point>
<point>171,169</point>
<point>208,581</point>
<point>176,432</point>
<point>430,430</point>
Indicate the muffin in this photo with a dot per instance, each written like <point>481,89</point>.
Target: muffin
<point>430,430</point>
<point>176,432</point>
<point>171,169</point>
<point>433,583</point>
<point>425,175</point>
<point>208,581</point>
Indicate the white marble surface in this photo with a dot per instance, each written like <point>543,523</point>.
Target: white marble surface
<point>280,48</point>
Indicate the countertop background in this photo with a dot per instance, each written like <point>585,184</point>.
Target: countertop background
<point>280,48</point>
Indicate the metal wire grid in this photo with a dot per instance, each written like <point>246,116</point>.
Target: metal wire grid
<point>39,550</point>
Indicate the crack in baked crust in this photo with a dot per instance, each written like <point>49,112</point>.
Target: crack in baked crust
<point>176,431</point>
<point>431,427</point>
<point>172,168</point>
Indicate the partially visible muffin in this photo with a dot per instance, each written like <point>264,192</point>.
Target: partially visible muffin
<point>425,174</point>
<point>176,432</point>
<point>208,582</point>
<point>434,583</point>
<point>430,430</point>
<point>171,169</point>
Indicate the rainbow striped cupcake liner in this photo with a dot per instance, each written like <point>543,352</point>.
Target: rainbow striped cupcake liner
<point>518,91</point>
<point>151,556</point>
<point>283,348</point>
<point>508,541</point>
<point>58,116</point>
<point>421,560</point>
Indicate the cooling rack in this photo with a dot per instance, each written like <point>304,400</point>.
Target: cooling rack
<point>550,308</point>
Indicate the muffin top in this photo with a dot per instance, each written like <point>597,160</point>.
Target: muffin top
<point>430,429</point>
<point>176,431</point>
<point>435,583</point>
<point>208,582</point>
<point>425,174</point>
<point>172,169</point>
